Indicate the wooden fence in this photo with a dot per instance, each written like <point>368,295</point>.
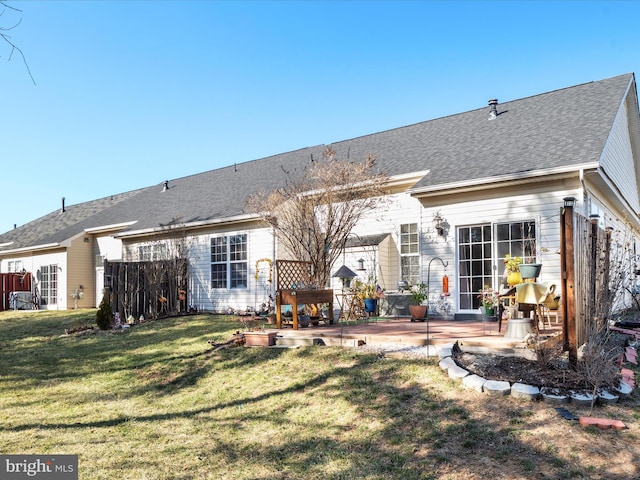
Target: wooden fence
<point>13,282</point>
<point>153,289</point>
<point>585,263</point>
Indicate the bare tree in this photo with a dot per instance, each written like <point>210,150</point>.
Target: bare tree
<point>314,213</point>
<point>6,38</point>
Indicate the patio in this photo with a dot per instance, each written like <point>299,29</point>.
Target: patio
<point>478,336</point>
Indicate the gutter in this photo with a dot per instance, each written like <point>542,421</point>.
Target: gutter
<point>46,246</point>
<point>107,228</point>
<point>191,226</point>
<point>512,178</point>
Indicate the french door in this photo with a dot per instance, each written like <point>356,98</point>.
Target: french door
<point>481,251</point>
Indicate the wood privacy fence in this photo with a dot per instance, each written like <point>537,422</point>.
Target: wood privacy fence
<point>592,249</point>
<point>585,263</point>
<point>13,282</point>
<point>153,289</point>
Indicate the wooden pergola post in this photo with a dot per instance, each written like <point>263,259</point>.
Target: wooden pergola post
<point>567,265</point>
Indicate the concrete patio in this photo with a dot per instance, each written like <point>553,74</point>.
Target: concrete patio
<point>472,335</point>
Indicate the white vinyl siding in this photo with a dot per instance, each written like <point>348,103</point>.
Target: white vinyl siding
<point>542,206</point>
<point>617,159</point>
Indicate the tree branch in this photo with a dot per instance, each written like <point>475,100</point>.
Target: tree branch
<point>7,39</point>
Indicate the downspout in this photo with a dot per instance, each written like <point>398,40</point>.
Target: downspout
<point>273,252</point>
<point>584,194</point>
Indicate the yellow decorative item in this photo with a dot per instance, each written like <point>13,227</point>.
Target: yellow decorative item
<point>514,278</point>
<point>269,279</point>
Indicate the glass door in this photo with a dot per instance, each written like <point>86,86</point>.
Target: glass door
<point>475,264</point>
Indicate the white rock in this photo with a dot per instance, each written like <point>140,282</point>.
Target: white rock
<point>521,390</point>
<point>446,363</point>
<point>474,382</point>
<point>496,387</point>
<point>457,373</point>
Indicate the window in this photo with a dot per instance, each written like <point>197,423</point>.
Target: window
<point>229,261</point>
<point>409,253</point>
<point>49,284</point>
<point>517,239</point>
<point>14,266</point>
<point>152,251</point>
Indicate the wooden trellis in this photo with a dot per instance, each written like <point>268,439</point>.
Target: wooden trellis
<point>295,286</point>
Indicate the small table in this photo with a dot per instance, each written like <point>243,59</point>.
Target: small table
<point>529,295</point>
<point>302,297</point>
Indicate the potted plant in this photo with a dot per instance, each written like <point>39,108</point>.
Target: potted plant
<point>529,270</point>
<point>488,300</point>
<point>419,294</point>
<point>512,269</point>
<point>370,292</point>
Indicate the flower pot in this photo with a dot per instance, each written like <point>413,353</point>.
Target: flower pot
<point>530,270</point>
<point>259,339</point>
<point>370,305</point>
<point>418,312</point>
<point>514,278</point>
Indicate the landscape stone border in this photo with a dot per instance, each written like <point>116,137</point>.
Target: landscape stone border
<point>521,390</point>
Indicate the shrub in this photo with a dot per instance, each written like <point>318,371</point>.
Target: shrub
<point>104,316</point>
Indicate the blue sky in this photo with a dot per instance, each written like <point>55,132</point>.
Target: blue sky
<point>131,93</point>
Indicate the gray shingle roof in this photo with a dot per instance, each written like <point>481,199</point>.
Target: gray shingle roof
<point>556,129</point>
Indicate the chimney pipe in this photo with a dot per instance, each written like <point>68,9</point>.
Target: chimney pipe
<point>493,108</point>
<point>62,210</point>
<point>166,186</point>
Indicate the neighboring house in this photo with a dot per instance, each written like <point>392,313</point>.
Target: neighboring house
<point>462,188</point>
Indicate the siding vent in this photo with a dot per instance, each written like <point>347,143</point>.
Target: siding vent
<point>493,108</point>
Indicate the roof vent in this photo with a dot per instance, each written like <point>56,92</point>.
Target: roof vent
<point>62,209</point>
<point>493,108</point>
<point>166,186</point>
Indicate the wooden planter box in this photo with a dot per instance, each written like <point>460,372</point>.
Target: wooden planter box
<point>259,339</point>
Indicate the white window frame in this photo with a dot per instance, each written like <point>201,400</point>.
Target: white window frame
<point>229,261</point>
<point>409,253</point>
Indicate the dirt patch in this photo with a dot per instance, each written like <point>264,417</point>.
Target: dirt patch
<point>518,369</point>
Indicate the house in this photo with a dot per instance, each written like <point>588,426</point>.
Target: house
<point>466,189</point>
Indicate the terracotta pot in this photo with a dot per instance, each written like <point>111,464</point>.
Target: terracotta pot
<point>259,339</point>
<point>418,312</point>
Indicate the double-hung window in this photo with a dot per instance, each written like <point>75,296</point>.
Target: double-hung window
<point>229,261</point>
<point>409,253</point>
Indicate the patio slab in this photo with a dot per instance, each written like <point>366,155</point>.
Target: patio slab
<point>472,336</point>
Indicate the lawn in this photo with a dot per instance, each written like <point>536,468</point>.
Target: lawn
<point>156,402</point>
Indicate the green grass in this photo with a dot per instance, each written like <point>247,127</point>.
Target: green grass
<point>156,402</point>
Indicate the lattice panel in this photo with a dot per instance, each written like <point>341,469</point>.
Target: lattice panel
<point>292,274</point>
